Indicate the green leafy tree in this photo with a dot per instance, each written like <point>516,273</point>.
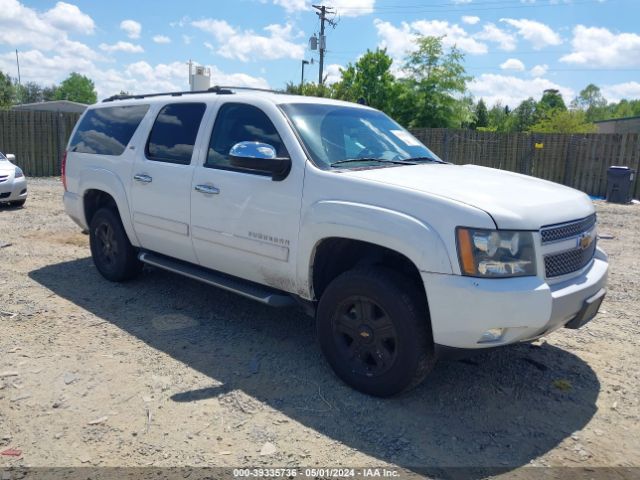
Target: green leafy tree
<point>30,92</point>
<point>591,100</point>
<point>49,93</point>
<point>77,88</point>
<point>440,81</point>
<point>482,115</point>
<point>564,121</point>
<point>369,79</point>
<point>7,91</point>
<point>524,116</point>
<point>499,119</point>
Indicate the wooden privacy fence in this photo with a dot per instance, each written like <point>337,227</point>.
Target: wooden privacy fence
<point>577,160</point>
<point>37,139</point>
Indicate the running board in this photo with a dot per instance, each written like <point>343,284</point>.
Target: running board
<point>254,291</point>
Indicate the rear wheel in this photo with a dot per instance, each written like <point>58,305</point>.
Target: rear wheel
<point>373,327</point>
<point>113,255</point>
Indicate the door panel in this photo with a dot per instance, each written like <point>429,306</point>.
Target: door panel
<point>250,227</point>
<point>161,185</point>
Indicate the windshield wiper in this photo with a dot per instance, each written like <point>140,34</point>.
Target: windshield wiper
<point>425,159</point>
<point>370,159</point>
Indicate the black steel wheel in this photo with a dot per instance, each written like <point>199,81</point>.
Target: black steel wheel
<point>113,255</point>
<point>373,328</point>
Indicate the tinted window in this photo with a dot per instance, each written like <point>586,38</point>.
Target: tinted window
<point>107,131</point>
<point>174,133</point>
<point>240,123</point>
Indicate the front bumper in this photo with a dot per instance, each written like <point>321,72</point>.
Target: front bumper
<point>463,308</point>
<point>13,189</point>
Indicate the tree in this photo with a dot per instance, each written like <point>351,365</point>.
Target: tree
<point>482,115</point>
<point>49,93</point>
<point>524,115</point>
<point>590,100</point>
<point>439,80</point>
<point>77,88</point>
<point>564,121</point>
<point>369,79</point>
<point>7,91</point>
<point>30,92</point>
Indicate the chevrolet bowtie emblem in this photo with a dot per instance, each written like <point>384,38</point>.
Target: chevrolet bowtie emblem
<point>585,241</point>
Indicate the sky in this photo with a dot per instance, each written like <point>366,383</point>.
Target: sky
<point>514,49</point>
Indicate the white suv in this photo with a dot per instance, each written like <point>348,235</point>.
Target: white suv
<point>401,257</point>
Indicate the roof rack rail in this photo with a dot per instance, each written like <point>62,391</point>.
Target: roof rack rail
<point>218,90</point>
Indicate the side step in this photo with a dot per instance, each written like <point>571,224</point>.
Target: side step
<point>254,291</point>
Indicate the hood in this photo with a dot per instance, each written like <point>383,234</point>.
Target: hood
<point>514,201</point>
<point>6,167</point>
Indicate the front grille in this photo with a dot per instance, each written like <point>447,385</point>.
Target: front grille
<point>555,233</point>
<point>569,261</point>
<point>5,195</point>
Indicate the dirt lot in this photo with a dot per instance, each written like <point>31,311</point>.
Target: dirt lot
<point>165,371</point>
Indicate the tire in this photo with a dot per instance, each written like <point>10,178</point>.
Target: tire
<point>113,255</point>
<point>373,328</point>
<point>18,203</point>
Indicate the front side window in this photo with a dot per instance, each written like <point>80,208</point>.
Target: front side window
<point>346,137</point>
<point>107,131</point>
<point>174,133</point>
<point>235,123</point>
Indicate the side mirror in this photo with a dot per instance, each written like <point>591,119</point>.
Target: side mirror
<point>260,157</point>
<point>11,157</point>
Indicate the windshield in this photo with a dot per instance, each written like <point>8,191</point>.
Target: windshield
<point>335,133</point>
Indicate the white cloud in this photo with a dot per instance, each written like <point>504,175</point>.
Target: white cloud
<point>246,45</point>
<point>333,73</point>
<point>537,33</point>
<point>126,47</point>
<point>491,33</point>
<point>510,90</point>
<point>292,5</point>
<point>187,39</point>
<point>615,93</point>
<point>25,27</point>
<point>400,40</point>
<point>343,8</point>
<point>131,28</point>
<point>470,19</point>
<point>161,39</point>
<point>512,64</point>
<point>66,16</point>
<point>598,47</point>
<point>539,70</point>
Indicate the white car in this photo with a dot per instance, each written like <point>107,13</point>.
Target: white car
<point>13,184</point>
<point>401,257</point>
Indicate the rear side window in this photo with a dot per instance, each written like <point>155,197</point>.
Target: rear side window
<point>174,133</point>
<point>107,131</point>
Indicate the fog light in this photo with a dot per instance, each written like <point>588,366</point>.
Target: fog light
<point>492,335</point>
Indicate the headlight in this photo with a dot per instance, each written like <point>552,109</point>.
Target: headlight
<point>495,253</point>
<point>19,173</point>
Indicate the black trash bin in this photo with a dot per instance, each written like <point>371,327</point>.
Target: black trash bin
<point>620,184</point>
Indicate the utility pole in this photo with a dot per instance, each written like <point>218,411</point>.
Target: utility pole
<point>18,63</point>
<point>322,13</point>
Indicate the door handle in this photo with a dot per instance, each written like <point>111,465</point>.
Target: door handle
<point>211,190</point>
<point>142,178</point>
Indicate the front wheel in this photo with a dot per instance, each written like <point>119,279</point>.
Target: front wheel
<point>373,328</point>
<point>113,255</point>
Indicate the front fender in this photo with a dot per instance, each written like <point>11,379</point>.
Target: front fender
<point>397,231</point>
<point>108,182</point>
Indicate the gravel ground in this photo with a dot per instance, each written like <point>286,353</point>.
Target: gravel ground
<point>165,371</point>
